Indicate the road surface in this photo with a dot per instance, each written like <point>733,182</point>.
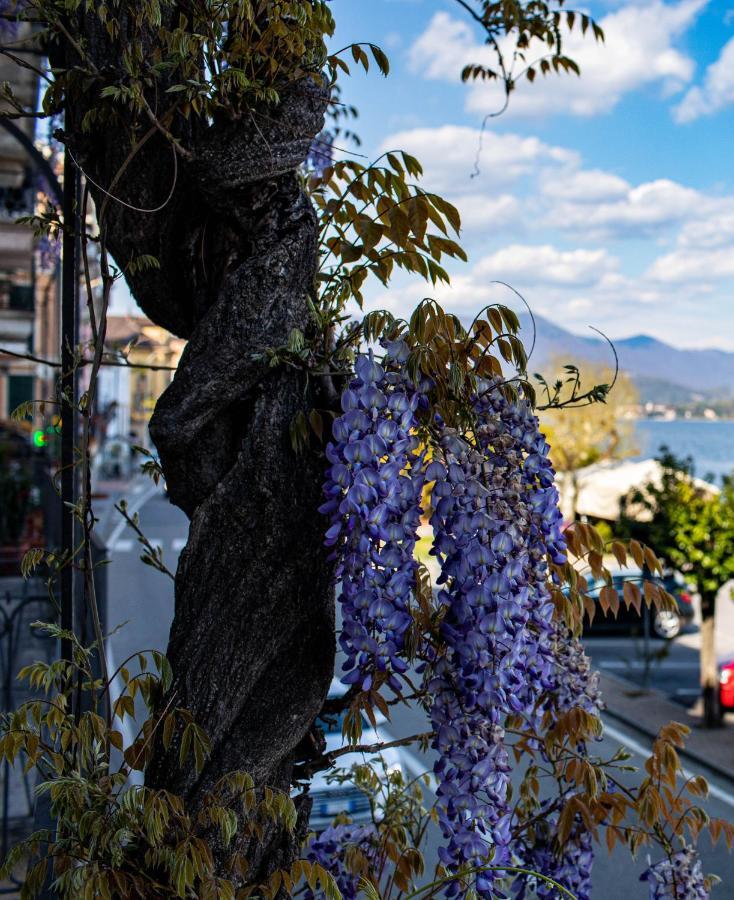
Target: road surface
<point>671,667</point>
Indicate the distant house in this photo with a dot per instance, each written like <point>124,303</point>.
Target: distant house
<point>127,394</point>
<point>21,320</point>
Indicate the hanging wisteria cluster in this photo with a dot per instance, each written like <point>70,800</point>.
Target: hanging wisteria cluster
<point>677,878</point>
<point>499,650</point>
<point>495,523</point>
<point>373,492</point>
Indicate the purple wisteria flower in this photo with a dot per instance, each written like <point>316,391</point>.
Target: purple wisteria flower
<point>577,684</point>
<point>330,849</point>
<point>321,154</point>
<point>373,491</point>
<point>8,25</point>
<point>677,878</point>
<point>570,866</point>
<point>495,523</point>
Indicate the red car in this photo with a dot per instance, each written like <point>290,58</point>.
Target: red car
<point>726,684</point>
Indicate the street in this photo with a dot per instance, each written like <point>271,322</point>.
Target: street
<point>141,600</point>
<point>671,667</point>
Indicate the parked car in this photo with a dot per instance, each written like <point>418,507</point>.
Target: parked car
<point>329,798</point>
<point>726,684</point>
<point>665,624</point>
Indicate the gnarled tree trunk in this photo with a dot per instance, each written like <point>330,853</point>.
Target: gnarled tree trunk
<point>252,643</point>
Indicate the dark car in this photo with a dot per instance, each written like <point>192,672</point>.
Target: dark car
<point>665,624</point>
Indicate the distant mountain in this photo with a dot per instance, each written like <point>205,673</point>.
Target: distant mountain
<point>657,390</point>
<point>656,367</point>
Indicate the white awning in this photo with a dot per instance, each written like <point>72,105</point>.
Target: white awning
<point>600,488</point>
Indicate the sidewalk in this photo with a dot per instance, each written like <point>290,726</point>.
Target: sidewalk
<point>647,712</point>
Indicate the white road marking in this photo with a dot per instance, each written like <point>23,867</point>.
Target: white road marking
<point>688,692</point>
<point>133,507</point>
<point>618,643</point>
<point>122,546</point>
<point>178,544</point>
<point>640,664</point>
<point>137,488</point>
<point>644,752</point>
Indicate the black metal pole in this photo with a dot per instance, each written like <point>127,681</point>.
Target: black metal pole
<point>43,818</point>
<point>68,393</point>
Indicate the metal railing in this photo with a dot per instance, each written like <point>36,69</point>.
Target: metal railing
<point>20,645</point>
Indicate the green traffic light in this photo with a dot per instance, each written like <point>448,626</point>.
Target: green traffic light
<point>39,439</point>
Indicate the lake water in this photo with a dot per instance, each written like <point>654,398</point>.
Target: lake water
<point>710,444</point>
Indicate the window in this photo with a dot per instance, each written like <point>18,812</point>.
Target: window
<point>20,390</point>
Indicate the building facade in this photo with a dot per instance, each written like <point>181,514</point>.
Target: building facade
<point>17,257</point>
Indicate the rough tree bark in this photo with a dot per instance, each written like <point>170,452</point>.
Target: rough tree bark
<point>252,645</point>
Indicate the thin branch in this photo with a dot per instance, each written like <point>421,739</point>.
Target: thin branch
<point>87,512</point>
<point>24,64</point>
<point>75,44</point>
<point>123,202</point>
<point>155,560</point>
<point>165,132</point>
<point>439,882</point>
<point>123,364</point>
<point>377,747</point>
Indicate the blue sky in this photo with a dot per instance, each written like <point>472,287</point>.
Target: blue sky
<point>608,199</point>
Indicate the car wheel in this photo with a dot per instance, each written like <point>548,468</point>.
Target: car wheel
<point>666,624</point>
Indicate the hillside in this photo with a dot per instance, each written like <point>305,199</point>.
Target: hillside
<point>663,373</point>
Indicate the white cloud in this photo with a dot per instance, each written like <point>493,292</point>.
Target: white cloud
<point>689,266</point>
<point>448,154</point>
<point>704,252</point>
<point>559,193</point>
<point>538,220</point>
<point>640,211</point>
<point>576,287</point>
<point>585,186</point>
<point>716,92</point>
<point>445,47</point>
<point>583,287</point>
<point>488,213</point>
<point>711,232</point>
<point>638,50</point>
<point>532,265</point>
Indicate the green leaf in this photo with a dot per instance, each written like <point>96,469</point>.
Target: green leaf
<point>383,63</point>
